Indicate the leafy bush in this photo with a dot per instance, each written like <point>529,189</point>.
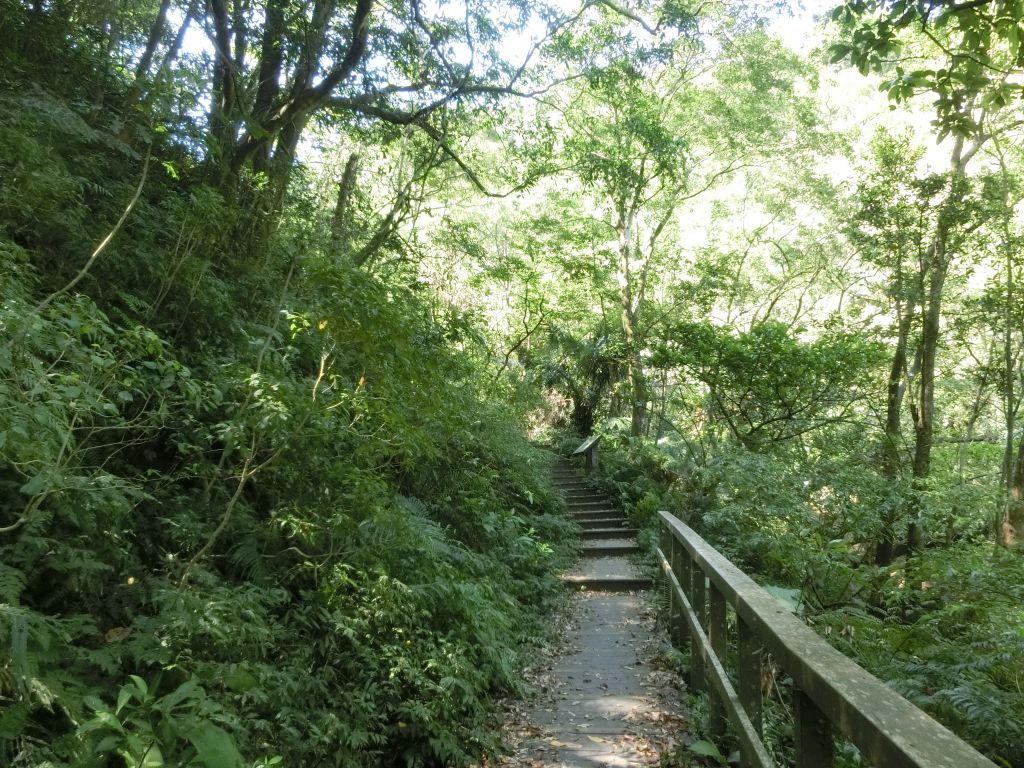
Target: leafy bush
<point>252,512</point>
<point>945,630</point>
<point>941,626</point>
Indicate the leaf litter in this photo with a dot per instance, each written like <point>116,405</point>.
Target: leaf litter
<point>551,727</point>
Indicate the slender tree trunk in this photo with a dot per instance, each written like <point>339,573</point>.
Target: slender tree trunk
<point>1010,525</point>
<point>223,103</point>
<point>662,407</point>
<point>637,380</point>
<point>972,421</point>
<point>1011,528</point>
<point>893,430</point>
<point>937,265</point>
<point>113,41</point>
<point>143,88</point>
<point>156,32</point>
<point>924,425</point>
<point>638,395</point>
<point>341,222</point>
<point>238,30</point>
<point>283,161</point>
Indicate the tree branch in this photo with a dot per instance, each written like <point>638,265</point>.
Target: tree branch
<point>626,13</point>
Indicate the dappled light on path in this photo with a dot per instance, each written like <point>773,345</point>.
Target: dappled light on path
<point>607,698</point>
<point>604,697</point>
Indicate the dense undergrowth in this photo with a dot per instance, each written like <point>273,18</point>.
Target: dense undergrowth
<point>942,626</point>
<point>274,314</point>
<point>256,507</point>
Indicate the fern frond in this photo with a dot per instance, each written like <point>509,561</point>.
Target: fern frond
<point>247,557</point>
<point>12,582</point>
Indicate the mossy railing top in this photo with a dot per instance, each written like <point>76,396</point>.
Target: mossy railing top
<point>830,692</point>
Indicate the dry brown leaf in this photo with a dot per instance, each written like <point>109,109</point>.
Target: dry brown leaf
<point>565,744</point>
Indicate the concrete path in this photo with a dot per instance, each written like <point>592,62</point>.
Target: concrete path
<point>606,700</point>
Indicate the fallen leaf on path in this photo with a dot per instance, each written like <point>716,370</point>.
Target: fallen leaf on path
<point>565,744</point>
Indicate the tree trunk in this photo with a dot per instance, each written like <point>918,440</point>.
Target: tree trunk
<point>223,103</point>
<point>638,393</point>
<point>143,88</point>
<point>341,222</point>
<point>937,266</point>
<point>268,75</point>
<point>924,425</point>
<point>661,415</point>
<point>893,435</point>
<point>634,363</point>
<point>1011,529</point>
<point>1010,523</point>
<point>972,421</point>
<point>582,418</point>
<point>156,32</point>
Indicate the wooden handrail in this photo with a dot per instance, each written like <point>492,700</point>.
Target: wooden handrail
<point>830,690</point>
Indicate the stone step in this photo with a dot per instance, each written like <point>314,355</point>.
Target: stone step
<point>602,522</point>
<point>585,494</point>
<point>607,533</point>
<point>590,514</point>
<point>598,504</point>
<point>609,583</point>
<point>611,547</point>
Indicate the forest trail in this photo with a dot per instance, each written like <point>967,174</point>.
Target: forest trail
<point>607,540</point>
<point>605,700</point>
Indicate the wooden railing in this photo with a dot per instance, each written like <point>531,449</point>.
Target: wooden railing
<point>831,694</point>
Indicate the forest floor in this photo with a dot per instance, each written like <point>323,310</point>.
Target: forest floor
<point>604,695</point>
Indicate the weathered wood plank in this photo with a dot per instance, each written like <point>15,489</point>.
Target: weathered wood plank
<point>889,730</point>
<point>749,653</point>
<point>696,596</point>
<point>754,753</point>
<point>717,720</point>
<point>812,734</point>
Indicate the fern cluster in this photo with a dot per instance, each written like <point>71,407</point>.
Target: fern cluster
<point>942,626</point>
<point>255,509</point>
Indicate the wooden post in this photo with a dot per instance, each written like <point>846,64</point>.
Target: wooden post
<point>812,733</point>
<point>835,694</point>
<point>681,568</point>
<point>717,719</point>
<point>697,672</point>
<point>749,652</point>
<point>668,550</point>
